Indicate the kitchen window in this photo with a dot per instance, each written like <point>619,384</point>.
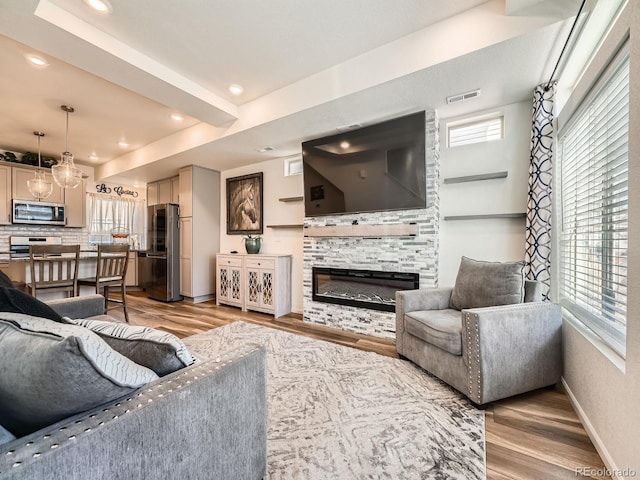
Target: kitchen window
<point>109,216</point>
<point>593,204</point>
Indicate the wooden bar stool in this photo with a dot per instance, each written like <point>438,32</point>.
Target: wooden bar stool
<point>54,268</point>
<point>111,269</point>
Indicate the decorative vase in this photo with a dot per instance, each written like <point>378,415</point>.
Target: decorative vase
<point>252,244</point>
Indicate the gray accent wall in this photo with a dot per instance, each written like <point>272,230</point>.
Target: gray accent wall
<point>412,254</point>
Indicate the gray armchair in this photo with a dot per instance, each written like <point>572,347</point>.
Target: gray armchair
<point>485,353</point>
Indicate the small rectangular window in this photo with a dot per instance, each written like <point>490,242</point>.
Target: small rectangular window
<point>475,130</point>
<point>292,166</point>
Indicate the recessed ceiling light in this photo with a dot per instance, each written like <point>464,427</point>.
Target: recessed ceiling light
<point>344,128</point>
<point>100,6</point>
<point>37,60</point>
<point>123,143</point>
<point>93,157</point>
<point>236,89</point>
<point>266,149</point>
<point>344,144</point>
<point>177,117</point>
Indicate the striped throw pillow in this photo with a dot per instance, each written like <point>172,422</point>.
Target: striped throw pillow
<point>159,351</point>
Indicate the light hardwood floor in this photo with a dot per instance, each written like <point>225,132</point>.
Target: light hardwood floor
<point>531,436</point>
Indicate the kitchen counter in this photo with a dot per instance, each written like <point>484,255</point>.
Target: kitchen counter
<point>8,257</point>
<point>17,268</point>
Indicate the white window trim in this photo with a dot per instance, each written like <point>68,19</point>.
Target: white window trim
<point>289,163</point>
<point>474,121</point>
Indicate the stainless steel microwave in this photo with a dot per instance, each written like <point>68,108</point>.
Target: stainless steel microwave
<point>38,213</point>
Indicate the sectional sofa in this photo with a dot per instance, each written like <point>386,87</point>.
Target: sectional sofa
<point>204,421</point>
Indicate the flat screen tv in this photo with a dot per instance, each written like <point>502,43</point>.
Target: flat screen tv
<point>375,168</point>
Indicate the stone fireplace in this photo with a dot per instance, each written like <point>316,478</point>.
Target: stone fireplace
<point>381,248</point>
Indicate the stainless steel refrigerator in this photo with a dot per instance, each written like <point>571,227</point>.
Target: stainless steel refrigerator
<point>163,254</point>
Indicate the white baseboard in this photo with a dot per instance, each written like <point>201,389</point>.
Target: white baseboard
<point>593,435</point>
<point>198,299</point>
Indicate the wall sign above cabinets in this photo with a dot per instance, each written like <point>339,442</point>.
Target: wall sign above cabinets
<point>117,190</point>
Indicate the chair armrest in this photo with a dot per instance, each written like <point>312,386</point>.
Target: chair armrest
<point>79,307</point>
<point>204,421</point>
<point>416,300</point>
<point>511,349</point>
<point>423,299</point>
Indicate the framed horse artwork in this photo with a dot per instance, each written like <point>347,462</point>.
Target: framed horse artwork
<point>244,204</point>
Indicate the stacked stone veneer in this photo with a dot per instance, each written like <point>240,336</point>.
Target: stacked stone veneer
<point>412,254</point>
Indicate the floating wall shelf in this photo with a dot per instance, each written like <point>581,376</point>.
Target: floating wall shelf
<point>293,225</point>
<point>291,199</point>
<point>486,216</point>
<point>475,178</point>
<point>381,230</point>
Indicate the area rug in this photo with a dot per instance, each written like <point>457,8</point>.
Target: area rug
<point>336,412</point>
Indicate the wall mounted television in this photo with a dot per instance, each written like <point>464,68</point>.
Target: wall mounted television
<point>375,168</point>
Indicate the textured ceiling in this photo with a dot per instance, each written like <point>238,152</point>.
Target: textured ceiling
<point>307,68</point>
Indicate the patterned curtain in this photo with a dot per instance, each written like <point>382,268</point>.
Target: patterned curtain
<point>538,230</point>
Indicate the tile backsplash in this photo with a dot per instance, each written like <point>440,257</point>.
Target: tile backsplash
<point>69,235</point>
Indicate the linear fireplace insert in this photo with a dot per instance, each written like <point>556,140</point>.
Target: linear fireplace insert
<point>361,288</point>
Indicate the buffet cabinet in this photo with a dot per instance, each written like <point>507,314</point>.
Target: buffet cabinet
<point>260,282</point>
<point>230,280</point>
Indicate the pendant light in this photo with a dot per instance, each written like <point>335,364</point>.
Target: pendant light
<point>66,174</point>
<point>39,186</point>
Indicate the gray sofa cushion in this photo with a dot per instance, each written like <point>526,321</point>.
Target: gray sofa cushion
<point>14,300</point>
<point>5,435</point>
<point>5,281</point>
<point>441,328</point>
<point>52,370</point>
<point>160,351</point>
<point>487,284</point>
<point>532,291</point>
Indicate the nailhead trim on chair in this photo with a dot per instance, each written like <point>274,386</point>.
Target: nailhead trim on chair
<point>471,322</point>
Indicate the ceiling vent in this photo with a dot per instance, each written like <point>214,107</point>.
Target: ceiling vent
<point>463,96</point>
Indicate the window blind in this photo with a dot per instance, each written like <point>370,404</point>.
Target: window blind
<point>594,209</point>
<point>475,131</point>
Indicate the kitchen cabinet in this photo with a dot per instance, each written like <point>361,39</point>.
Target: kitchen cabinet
<point>163,191</point>
<point>175,190</point>
<point>186,229</point>
<point>131,278</point>
<point>199,232</point>
<point>75,203</point>
<point>5,195</point>
<point>20,176</point>
<point>229,282</point>
<point>152,193</point>
<point>260,282</point>
<point>186,191</point>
